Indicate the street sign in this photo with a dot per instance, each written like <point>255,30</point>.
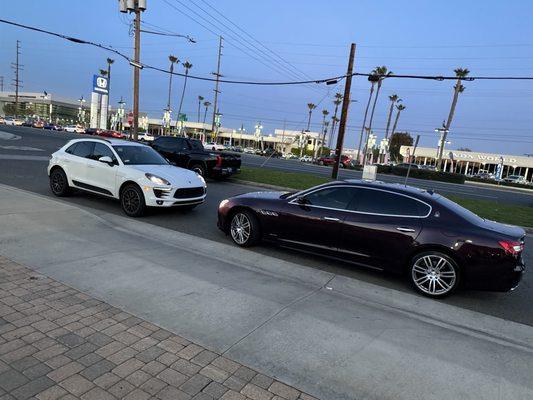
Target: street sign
<point>100,84</point>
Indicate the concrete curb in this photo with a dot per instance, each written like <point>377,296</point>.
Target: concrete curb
<point>498,187</point>
<point>413,306</point>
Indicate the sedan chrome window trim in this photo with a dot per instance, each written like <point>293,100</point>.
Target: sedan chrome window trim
<point>327,186</point>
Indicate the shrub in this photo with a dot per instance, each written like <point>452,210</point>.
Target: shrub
<point>430,175</point>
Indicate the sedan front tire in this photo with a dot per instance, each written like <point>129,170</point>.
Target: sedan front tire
<point>244,228</point>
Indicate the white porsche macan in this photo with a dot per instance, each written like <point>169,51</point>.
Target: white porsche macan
<point>134,173</point>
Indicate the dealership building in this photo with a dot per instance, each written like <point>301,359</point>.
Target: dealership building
<point>471,162</point>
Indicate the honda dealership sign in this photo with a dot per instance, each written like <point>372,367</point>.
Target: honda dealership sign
<point>100,84</point>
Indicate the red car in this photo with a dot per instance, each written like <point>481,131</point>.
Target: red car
<point>111,134</point>
<point>330,160</point>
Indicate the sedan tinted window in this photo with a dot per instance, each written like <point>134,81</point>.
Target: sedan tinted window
<point>388,203</point>
<point>333,197</point>
<point>83,149</point>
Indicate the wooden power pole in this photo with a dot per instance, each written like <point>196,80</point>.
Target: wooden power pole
<point>16,81</point>
<point>136,73</point>
<point>217,75</point>
<point>344,113</point>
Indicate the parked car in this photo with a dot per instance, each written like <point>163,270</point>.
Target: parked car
<point>345,161</point>
<point>407,165</point>
<point>270,152</point>
<point>427,167</point>
<point>38,123</point>
<point>191,154</point>
<point>74,129</point>
<point>438,244</point>
<point>131,172</point>
<point>484,175</point>
<point>214,146</point>
<point>516,179</point>
<point>289,156</point>
<point>13,121</point>
<point>249,150</point>
<point>28,123</point>
<point>92,131</point>
<point>2,120</point>
<point>111,134</point>
<point>145,137</point>
<point>306,159</point>
<point>53,127</point>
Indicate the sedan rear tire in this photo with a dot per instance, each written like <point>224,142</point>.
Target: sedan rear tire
<point>434,274</point>
<point>244,229</point>
<point>132,201</point>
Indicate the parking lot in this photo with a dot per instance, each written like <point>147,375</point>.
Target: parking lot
<point>23,163</point>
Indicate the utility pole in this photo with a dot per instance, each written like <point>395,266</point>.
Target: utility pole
<point>344,113</point>
<point>135,6</point>
<point>217,75</point>
<point>1,83</point>
<point>17,82</point>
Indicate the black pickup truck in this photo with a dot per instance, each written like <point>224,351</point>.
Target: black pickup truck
<point>190,153</point>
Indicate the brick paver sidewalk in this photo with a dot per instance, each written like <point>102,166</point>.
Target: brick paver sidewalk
<point>58,343</point>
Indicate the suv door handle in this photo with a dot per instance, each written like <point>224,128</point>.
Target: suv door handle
<point>331,219</point>
<point>402,229</point>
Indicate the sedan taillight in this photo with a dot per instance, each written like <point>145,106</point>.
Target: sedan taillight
<point>511,247</point>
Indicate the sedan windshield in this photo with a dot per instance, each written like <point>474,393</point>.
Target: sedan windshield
<point>139,155</point>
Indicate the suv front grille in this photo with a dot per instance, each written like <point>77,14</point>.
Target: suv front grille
<point>188,193</point>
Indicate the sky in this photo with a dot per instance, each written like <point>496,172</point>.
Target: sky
<point>276,40</point>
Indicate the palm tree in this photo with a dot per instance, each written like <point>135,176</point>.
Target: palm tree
<point>311,107</point>
<point>400,108</point>
<point>172,60</point>
<point>372,79</point>
<point>334,119</point>
<point>381,73</point>
<point>325,113</point>
<point>460,73</point>
<point>206,105</point>
<point>393,100</point>
<point>187,65</point>
<point>200,99</point>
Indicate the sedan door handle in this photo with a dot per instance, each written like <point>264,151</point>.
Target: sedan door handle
<point>402,229</point>
<point>331,219</point>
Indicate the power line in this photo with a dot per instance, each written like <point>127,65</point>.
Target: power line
<point>330,80</point>
<point>249,48</point>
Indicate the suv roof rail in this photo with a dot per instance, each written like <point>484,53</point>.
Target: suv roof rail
<point>97,138</point>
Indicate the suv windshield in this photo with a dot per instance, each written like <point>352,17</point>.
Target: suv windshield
<point>139,155</point>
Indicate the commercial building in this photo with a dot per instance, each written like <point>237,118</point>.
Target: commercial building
<point>44,106</point>
<point>471,162</point>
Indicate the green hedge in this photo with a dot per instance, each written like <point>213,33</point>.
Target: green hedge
<point>502,183</point>
<point>422,174</point>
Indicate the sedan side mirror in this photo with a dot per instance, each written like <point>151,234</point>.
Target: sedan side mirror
<point>107,160</point>
<point>302,200</point>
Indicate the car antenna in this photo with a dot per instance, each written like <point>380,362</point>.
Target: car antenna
<point>409,160</point>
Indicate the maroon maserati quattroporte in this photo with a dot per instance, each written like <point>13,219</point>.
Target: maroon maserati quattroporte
<point>437,243</point>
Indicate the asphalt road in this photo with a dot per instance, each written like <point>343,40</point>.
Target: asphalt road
<point>23,161</point>
<point>473,191</point>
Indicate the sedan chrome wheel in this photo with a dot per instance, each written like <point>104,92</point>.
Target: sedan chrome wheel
<point>434,275</point>
<point>240,228</point>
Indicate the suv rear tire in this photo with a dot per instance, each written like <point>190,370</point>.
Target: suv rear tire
<point>59,183</point>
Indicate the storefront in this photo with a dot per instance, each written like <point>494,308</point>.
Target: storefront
<point>470,162</point>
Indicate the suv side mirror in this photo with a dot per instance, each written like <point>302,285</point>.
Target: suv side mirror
<point>107,160</point>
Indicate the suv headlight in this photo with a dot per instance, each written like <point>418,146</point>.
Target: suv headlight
<point>157,179</point>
